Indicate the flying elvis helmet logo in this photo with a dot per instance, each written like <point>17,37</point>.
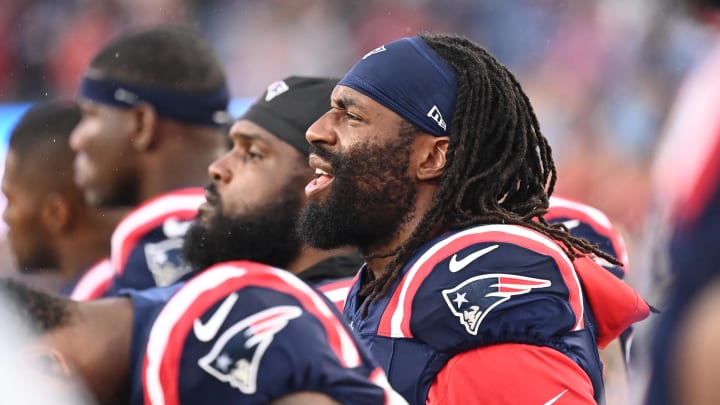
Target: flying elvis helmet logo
<point>275,89</point>
<point>235,357</point>
<point>475,297</point>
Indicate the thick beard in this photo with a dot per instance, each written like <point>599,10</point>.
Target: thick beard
<point>265,235</point>
<point>370,197</point>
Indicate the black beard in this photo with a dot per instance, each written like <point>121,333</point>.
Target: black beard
<point>265,235</point>
<point>370,197</point>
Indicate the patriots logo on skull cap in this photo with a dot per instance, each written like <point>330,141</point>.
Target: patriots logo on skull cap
<point>275,89</point>
<point>475,297</point>
<point>235,357</point>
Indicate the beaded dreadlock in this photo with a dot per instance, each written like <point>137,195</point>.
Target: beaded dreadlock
<point>499,165</point>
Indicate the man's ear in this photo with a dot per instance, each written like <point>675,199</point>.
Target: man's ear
<point>145,118</point>
<point>56,212</point>
<point>432,152</point>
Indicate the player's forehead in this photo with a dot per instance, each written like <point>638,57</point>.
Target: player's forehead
<point>88,106</point>
<point>347,98</point>
<point>248,131</point>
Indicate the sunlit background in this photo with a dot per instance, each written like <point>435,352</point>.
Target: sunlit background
<point>601,74</point>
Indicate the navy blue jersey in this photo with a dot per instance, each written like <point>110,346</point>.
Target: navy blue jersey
<point>591,224</point>
<point>584,221</point>
<point>493,286</point>
<point>146,245</point>
<point>242,332</point>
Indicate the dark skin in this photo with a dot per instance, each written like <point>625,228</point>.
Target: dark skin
<point>356,118</point>
<point>246,175</point>
<point>133,147</point>
<point>50,225</point>
<point>94,346</point>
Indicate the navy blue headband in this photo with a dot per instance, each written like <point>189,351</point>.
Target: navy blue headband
<point>202,108</point>
<point>410,78</point>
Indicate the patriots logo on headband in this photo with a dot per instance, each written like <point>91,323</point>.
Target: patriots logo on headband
<point>475,297</point>
<point>235,357</point>
<point>275,89</point>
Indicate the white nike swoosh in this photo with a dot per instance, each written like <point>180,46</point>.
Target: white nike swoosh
<point>552,401</point>
<point>206,331</point>
<point>456,265</point>
<point>571,223</point>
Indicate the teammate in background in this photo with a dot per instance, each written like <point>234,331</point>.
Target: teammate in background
<point>593,225</point>
<point>239,332</point>
<point>258,190</point>
<point>154,117</point>
<point>686,179</point>
<point>219,337</point>
<point>51,227</point>
<point>431,162</point>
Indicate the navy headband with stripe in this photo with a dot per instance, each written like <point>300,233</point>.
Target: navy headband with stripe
<point>207,108</point>
<point>410,78</point>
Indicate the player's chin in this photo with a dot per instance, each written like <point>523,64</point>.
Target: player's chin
<point>206,213</point>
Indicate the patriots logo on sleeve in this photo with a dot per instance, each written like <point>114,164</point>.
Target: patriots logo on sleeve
<point>165,262</point>
<point>235,357</point>
<point>475,297</point>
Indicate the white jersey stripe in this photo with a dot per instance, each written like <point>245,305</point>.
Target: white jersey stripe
<point>95,277</point>
<point>144,214</point>
<point>170,314</point>
<point>350,356</point>
<point>519,231</point>
<point>598,216</point>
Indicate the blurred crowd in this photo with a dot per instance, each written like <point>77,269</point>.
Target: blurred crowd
<point>601,73</point>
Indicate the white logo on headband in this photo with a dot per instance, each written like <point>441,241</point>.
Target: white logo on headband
<point>434,113</point>
<point>125,96</point>
<point>374,51</point>
<point>275,89</point>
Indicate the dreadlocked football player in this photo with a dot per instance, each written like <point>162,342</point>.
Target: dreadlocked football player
<point>432,163</point>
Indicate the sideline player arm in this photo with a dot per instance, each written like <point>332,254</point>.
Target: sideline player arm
<point>511,373</point>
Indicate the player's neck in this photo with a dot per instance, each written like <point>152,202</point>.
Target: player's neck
<point>308,257</point>
<point>379,257</point>
<point>89,244</point>
<point>99,335</point>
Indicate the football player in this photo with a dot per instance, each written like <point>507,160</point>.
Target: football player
<point>432,163</point>
<point>153,118</point>
<point>51,227</point>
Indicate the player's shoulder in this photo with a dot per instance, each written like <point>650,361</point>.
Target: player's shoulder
<point>149,239</point>
<point>228,324</point>
<point>154,211</point>
<point>476,283</point>
<point>592,224</point>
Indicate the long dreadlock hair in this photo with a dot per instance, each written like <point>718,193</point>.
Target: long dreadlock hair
<point>499,166</point>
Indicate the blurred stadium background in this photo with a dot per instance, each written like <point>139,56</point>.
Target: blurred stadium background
<point>600,73</point>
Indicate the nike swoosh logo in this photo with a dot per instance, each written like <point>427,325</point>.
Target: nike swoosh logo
<point>457,265</point>
<point>571,223</point>
<point>552,401</point>
<point>206,331</point>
